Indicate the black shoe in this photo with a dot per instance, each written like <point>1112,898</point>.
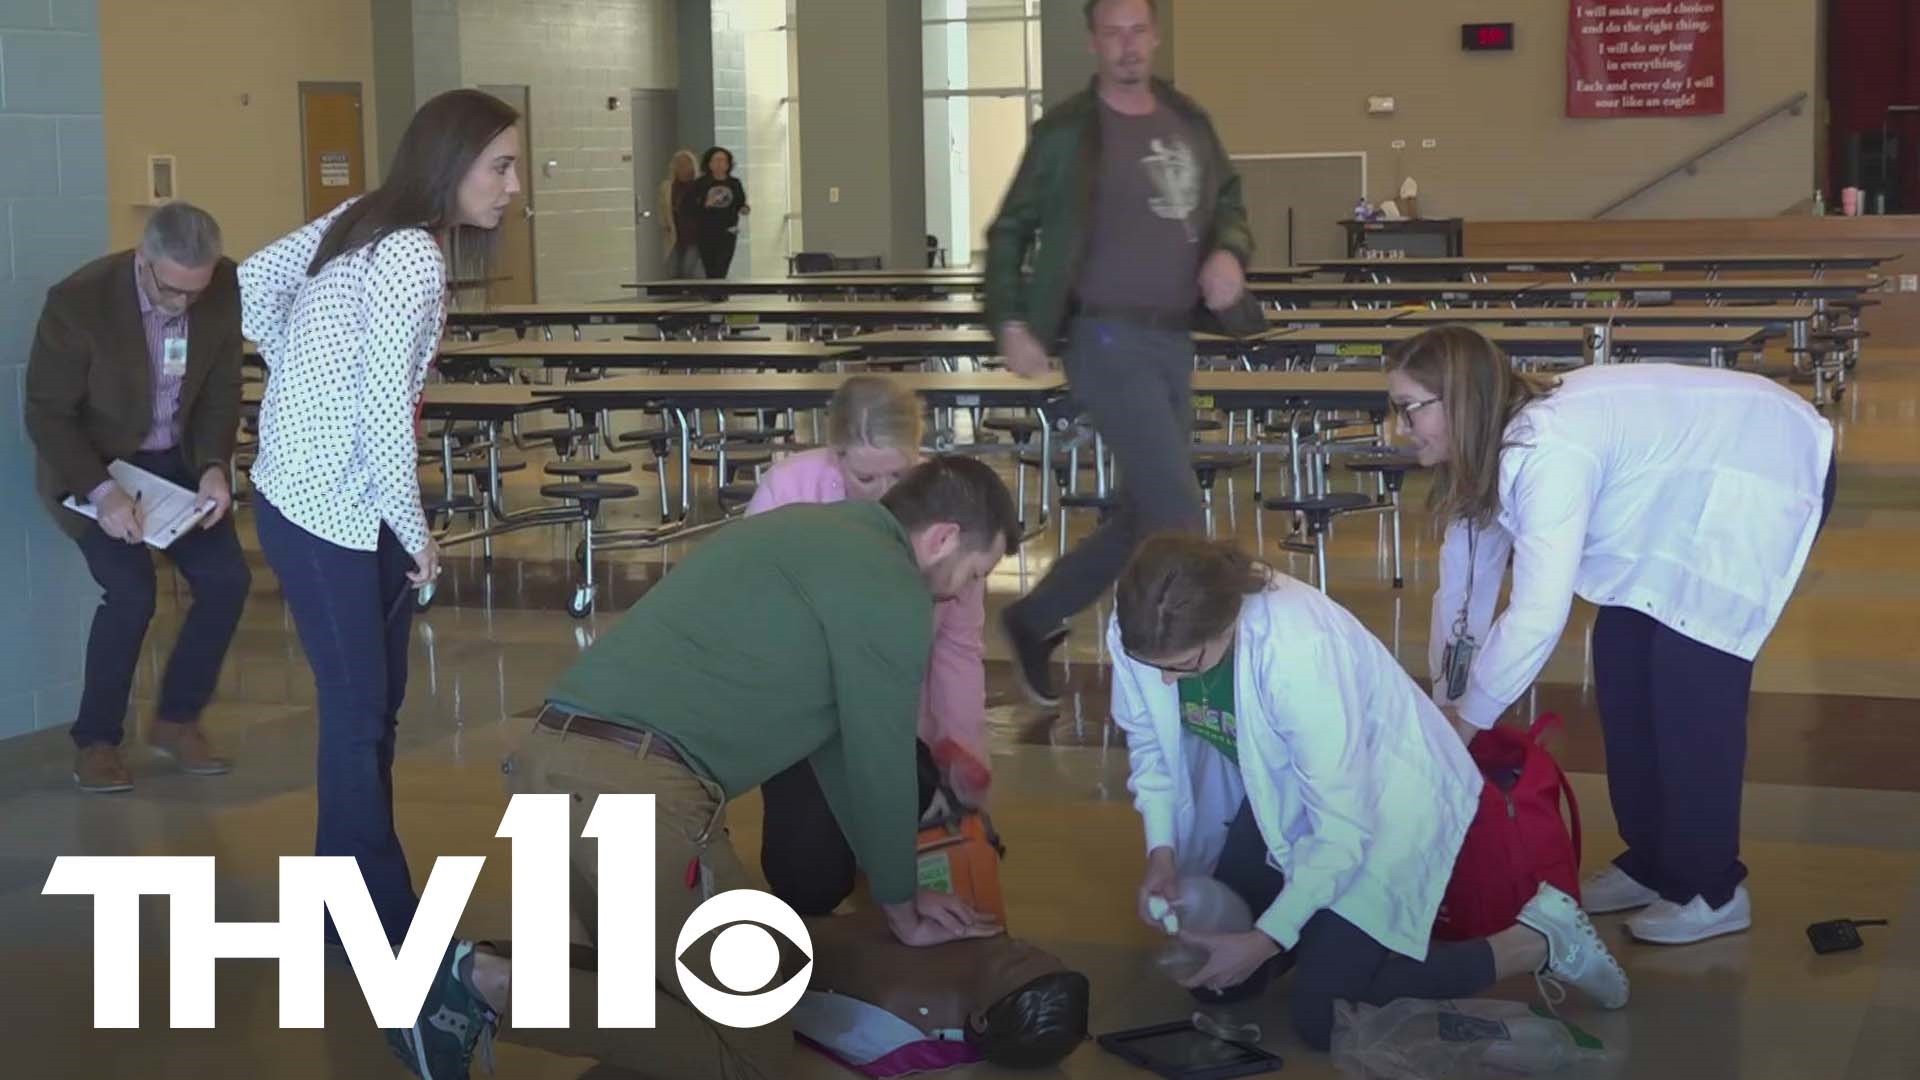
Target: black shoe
<point>1033,658</point>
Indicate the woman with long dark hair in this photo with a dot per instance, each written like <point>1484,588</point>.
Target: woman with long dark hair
<point>1683,503</point>
<point>347,313</point>
<point>721,201</point>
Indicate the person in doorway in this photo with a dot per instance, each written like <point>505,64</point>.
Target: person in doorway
<point>795,636</point>
<point>679,220</point>
<point>1683,502</point>
<point>1143,222</point>
<point>1268,729</point>
<point>874,429</point>
<point>720,200</point>
<point>137,360</point>
<point>348,313</point>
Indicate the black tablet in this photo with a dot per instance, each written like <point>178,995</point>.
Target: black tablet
<point>1180,1051</point>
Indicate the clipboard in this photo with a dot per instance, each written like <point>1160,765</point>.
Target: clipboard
<point>169,510</point>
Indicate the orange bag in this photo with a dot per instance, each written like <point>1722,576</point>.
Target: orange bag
<point>961,855</point>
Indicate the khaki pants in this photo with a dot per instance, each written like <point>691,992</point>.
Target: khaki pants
<point>683,1044</point>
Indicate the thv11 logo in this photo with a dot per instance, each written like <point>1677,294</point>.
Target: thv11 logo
<point>745,956</point>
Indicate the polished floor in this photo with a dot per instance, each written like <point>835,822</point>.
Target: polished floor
<point>1832,825</point>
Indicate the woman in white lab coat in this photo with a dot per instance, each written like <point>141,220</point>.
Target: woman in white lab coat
<point>1683,502</point>
<point>1269,731</point>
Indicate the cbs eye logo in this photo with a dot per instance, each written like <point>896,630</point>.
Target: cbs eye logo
<point>745,958</point>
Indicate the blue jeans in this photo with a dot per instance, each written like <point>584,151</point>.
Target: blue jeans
<point>353,612</point>
<point>215,569</point>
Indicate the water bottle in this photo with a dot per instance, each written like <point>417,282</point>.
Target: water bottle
<point>1204,906</point>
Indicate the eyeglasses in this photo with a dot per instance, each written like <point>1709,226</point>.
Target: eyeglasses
<point>167,291</point>
<point>1405,409</point>
<point>1192,667</point>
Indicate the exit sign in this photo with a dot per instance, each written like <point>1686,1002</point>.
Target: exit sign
<point>1486,37</point>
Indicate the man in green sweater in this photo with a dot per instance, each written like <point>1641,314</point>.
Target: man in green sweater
<point>800,634</point>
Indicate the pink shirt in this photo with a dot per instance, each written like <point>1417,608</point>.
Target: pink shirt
<point>953,703</point>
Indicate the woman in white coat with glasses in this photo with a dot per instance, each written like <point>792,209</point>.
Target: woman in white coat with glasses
<point>1682,502</point>
<point>1277,746</point>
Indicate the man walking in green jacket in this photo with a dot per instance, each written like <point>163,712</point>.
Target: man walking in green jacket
<point>797,635</point>
<point>1132,215</point>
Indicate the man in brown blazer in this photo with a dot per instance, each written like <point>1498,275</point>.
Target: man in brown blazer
<point>137,359</point>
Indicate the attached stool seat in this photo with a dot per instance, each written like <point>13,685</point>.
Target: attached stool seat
<point>588,494</point>
<point>736,496</point>
<point>1022,429</point>
<point>1207,467</point>
<point>1318,511</point>
<point>588,470</point>
<point>562,438</point>
<point>1392,467</point>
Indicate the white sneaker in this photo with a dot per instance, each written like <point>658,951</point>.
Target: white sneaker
<point>1575,953</point>
<point>1613,890</point>
<point>1668,923</point>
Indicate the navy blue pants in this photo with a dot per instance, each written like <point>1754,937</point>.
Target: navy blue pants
<point>353,611</point>
<point>1335,960</point>
<point>216,571</point>
<point>1674,716</point>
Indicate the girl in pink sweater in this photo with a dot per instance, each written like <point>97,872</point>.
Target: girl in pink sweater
<point>874,430</point>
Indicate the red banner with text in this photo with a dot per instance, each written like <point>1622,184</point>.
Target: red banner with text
<point>1646,58</point>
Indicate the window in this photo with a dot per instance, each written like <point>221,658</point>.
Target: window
<point>981,60</point>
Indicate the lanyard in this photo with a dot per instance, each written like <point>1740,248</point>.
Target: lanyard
<point>1459,655</point>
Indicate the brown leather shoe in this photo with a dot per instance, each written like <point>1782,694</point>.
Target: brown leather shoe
<point>187,745</point>
<point>98,770</point>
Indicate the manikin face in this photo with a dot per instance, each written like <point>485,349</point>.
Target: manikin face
<point>1422,417</point>
<point>491,182</point>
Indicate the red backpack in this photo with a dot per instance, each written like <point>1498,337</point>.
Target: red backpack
<point>1517,839</point>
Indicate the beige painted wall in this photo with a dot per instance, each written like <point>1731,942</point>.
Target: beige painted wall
<point>574,56</point>
<point>1290,77</point>
<point>173,77</point>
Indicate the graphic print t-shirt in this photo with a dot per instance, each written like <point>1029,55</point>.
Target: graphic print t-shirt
<point>718,203</point>
<point>1147,235</point>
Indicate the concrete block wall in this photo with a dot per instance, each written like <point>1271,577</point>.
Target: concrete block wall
<point>575,56</point>
<point>53,218</point>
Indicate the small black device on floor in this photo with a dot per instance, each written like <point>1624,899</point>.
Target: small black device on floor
<point>1840,935</point>
<point>1180,1051</point>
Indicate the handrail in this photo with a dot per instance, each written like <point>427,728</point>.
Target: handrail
<point>1691,165</point>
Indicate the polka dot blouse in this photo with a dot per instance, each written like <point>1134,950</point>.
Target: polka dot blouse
<point>347,353</point>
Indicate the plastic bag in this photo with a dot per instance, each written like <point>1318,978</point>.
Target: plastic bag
<point>1204,906</point>
<point>1457,1040</point>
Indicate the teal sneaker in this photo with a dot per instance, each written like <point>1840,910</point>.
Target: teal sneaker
<point>454,1025</point>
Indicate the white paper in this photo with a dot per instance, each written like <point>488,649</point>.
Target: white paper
<point>168,509</point>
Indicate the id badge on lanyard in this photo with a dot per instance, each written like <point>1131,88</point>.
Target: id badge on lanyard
<point>1457,660</point>
<point>173,357</point>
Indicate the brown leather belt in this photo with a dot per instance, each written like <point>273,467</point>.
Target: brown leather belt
<point>638,740</point>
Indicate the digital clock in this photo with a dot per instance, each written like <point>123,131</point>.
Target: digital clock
<point>1486,37</point>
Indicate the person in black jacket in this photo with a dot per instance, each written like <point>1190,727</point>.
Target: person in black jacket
<point>720,201</point>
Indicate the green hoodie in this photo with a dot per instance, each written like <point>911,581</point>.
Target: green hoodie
<point>1046,209</point>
